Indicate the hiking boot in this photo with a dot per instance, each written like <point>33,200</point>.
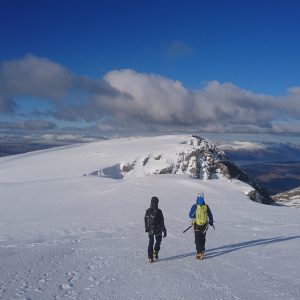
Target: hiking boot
<point>151,260</point>
<point>200,255</point>
<point>155,255</point>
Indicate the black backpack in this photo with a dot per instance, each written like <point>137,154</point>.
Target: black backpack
<point>152,218</point>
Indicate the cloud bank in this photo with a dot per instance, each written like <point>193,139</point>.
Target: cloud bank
<point>132,100</point>
<point>28,125</point>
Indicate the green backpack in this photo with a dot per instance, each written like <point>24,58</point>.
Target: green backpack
<point>201,214</point>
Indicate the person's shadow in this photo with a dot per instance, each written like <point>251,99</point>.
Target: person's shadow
<point>210,253</point>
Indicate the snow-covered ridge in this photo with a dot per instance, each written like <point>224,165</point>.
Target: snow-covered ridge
<point>190,155</point>
<point>193,156</point>
<point>129,158</point>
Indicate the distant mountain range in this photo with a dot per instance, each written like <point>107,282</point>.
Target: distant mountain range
<point>276,177</point>
<point>11,144</point>
<point>12,148</point>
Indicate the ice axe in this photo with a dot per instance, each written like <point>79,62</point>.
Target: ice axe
<point>187,229</point>
<point>192,226</point>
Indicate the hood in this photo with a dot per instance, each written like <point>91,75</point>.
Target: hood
<point>200,200</point>
<point>154,203</point>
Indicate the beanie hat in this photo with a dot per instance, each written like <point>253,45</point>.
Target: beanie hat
<point>200,198</point>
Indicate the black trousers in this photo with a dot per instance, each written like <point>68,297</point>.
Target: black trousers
<point>200,237</point>
<point>158,238</point>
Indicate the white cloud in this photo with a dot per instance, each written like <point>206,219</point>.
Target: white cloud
<point>137,101</point>
<point>34,76</point>
<point>66,138</point>
<point>28,125</point>
<point>43,79</point>
<point>153,98</point>
<point>216,107</point>
<point>237,146</point>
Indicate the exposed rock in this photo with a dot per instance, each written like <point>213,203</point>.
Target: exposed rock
<point>127,167</point>
<point>145,161</point>
<point>289,198</point>
<point>167,170</point>
<point>205,160</point>
<point>260,194</point>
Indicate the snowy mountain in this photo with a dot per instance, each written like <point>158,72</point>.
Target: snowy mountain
<point>71,225</point>
<point>194,156</point>
<point>289,198</point>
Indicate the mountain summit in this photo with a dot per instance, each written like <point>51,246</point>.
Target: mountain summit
<point>191,155</point>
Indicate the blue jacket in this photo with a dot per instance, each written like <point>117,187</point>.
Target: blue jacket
<point>200,201</point>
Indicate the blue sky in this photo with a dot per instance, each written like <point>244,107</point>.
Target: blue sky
<point>252,45</point>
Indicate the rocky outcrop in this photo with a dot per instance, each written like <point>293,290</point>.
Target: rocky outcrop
<point>210,161</point>
<point>259,194</point>
<point>288,198</point>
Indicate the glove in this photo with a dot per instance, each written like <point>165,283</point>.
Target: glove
<point>165,234</point>
<point>211,223</point>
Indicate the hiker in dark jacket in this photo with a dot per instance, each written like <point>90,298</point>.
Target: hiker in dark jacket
<point>202,216</point>
<point>154,226</point>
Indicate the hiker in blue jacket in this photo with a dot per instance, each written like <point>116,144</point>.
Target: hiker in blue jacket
<point>202,216</point>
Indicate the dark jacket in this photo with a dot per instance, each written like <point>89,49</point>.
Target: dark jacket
<point>154,219</point>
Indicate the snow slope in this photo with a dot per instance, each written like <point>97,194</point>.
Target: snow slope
<point>64,235</point>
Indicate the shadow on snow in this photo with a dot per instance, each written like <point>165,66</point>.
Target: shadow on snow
<point>233,247</point>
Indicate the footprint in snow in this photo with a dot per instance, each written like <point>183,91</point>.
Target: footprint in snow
<point>66,286</point>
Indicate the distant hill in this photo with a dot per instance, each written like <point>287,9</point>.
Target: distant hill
<point>19,147</point>
<point>276,177</point>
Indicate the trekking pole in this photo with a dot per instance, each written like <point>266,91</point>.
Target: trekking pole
<point>187,229</point>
